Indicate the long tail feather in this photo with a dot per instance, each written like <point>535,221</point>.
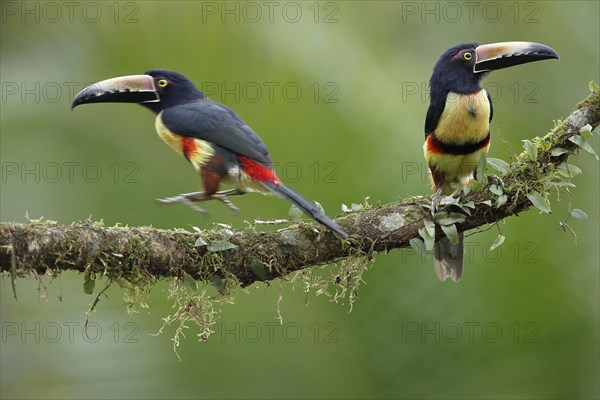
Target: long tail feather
<point>303,204</point>
<point>448,261</point>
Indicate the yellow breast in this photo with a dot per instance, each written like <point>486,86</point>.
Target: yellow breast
<point>197,151</point>
<point>465,118</point>
<point>174,141</point>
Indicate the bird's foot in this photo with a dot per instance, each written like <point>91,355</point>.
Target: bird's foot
<point>435,201</point>
<point>222,196</point>
<point>189,199</point>
<point>226,201</point>
<point>496,180</point>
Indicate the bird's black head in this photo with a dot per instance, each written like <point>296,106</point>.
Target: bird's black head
<point>461,68</point>
<point>172,89</point>
<point>157,89</point>
<point>453,72</point>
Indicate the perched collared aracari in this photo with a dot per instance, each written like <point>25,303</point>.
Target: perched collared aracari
<point>211,136</point>
<point>457,126</point>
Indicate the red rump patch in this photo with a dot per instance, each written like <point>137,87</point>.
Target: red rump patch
<point>188,146</point>
<point>257,171</point>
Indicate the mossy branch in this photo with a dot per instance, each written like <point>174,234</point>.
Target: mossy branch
<point>127,252</point>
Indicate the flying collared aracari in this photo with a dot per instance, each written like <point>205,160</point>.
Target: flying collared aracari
<point>211,136</point>
<point>457,126</point>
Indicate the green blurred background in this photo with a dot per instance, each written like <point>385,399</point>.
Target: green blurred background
<point>344,120</point>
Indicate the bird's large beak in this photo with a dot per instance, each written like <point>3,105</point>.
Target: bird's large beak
<point>506,54</point>
<point>124,89</point>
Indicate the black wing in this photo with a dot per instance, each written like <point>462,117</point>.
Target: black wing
<point>218,124</point>
<point>434,112</point>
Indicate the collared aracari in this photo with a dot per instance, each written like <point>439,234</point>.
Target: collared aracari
<point>211,136</point>
<point>457,126</point>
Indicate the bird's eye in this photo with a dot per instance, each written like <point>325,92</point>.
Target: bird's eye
<point>162,83</point>
<point>467,56</point>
